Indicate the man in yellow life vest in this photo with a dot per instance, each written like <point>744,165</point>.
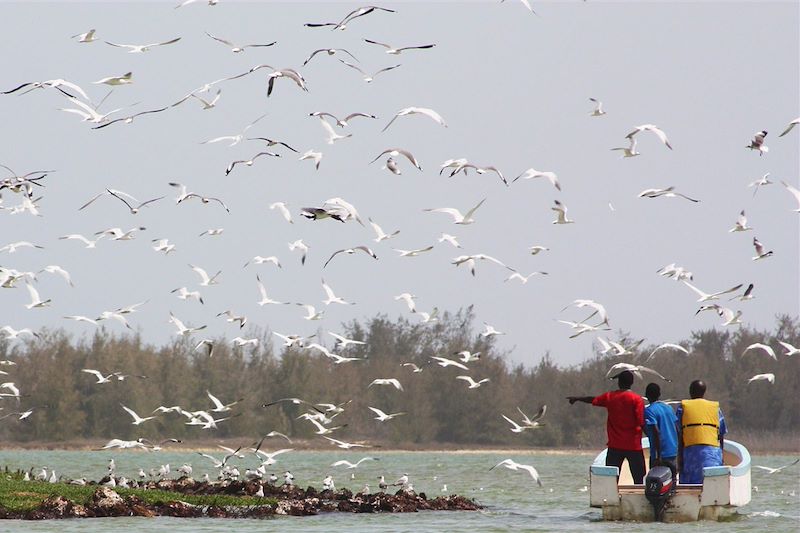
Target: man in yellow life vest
<point>701,431</point>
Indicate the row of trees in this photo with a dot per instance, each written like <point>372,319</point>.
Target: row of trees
<point>69,404</point>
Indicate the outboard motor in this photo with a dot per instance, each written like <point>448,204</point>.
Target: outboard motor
<point>659,485</point>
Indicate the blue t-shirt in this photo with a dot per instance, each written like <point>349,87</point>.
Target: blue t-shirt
<point>661,415</point>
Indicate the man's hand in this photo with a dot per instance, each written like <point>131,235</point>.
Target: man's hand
<point>572,399</point>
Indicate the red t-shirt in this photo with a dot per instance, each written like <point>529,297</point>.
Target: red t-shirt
<point>625,418</point>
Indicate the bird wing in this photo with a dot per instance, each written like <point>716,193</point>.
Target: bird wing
<point>379,44</point>
<point>215,401</point>
<point>223,41</point>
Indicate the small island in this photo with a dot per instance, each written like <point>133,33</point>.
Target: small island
<point>188,498</point>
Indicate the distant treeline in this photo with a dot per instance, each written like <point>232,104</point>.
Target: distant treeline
<point>440,408</point>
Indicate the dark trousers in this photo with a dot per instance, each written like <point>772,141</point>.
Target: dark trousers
<point>614,457</point>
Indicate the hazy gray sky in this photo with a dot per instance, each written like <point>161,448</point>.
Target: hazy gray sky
<point>513,88</point>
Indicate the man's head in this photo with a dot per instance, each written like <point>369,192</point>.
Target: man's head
<point>697,389</point>
<point>625,379</point>
<point>652,392</point>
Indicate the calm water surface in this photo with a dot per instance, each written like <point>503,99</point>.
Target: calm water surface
<point>512,499</point>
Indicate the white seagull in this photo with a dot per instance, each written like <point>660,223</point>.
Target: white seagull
<point>759,346</point>
<point>383,417</point>
<point>472,383</point>
<point>790,350</point>
<point>598,110</point>
<point>758,142</point>
<point>561,209</point>
<point>458,218</point>
<point>705,297</point>
<point>235,48</point>
<point>630,151</point>
<point>760,252</point>
<point>263,292</point>
<point>36,301</point>
<point>386,381</point>
<point>651,128</point>
<point>182,329</point>
<point>532,173</point>
<point>511,465</point>
<point>765,377</point>
<point>136,418</point>
<point>794,192</point>
<point>380,234</point>
<point>140,48</point>
<point>397,51</point>
<point>283,210</point>
<point>331,296</point>
<point>792,124</point>
<point>408,298</point>
<point>124,79</point>
<point>430,113</point>
<point>315,156</point>
<point>741,224</point>
<point>205,279</point>
<point>368,77</point>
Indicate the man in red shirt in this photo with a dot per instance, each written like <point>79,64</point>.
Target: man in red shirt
<point>624,425</point>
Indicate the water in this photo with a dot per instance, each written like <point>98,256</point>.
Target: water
<point>512,499</point>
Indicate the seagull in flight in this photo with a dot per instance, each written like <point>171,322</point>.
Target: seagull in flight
<point>637,370</point>
<point>653,129</point>
<point>140,48</point>
<point>667,346</point>
<point>561,209</point>
<point>205,279</point>
<point>383,417</point>
<point>368,77</point>
<point>472,383</point>
<point>511,465</point>
<point>705,297</point>
<point>430,113</point>
<point>408,298</point>
<point>342,24</point>
<point>741,223</point>
<point>219,407</point>
<point>668,192</point>
<point>489,331</point>
<point>329,51</point>
<point>524,279</point>
<point>351,251</point>
<point>299,245</point>
<point>386,381</point>
<point>182,329</point>
<point>341,122</point>
<point>766,348</point>
<point>136,418</point>
<point>397,51</point>
<point>395,152</point>
<point>36,301</point>
<point>747,295</point>
<point>769,470</point>
<point>758,142</point>
<point>331,296</point>
<point>283,210</point>
<point>458,218</point>
<point>263,292</point>
<point>332,135</point>
<point>235,48</point>
<point>598,110</point>
<point>762,377</point>
<point>792,124</point>
<point>790,350</point>
<point>125,79</point>
<point>343,342</point>
<point>248,162</point>
<point>764,180</point>
<point>380,234</point>
<point>794,192</point>
<point>413,253</point>
<point>88,37</point>
<point>760,252</point>
<point>350,465</point>
<point>235,139</point>
<point>315,156</point>
<point>445,362</point>
<point>532,173</point>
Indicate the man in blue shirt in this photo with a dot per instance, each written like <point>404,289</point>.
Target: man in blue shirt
<point>660,425</point>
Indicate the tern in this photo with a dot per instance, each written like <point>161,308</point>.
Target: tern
<point>767,349</point>
<point>140,48</point>
<point>329,51</point>
<point>219,407</point>
<point>248,162</point>
<point>532,173</point>
<point>136,418</point>
<point>769,470</point>
<point>182,329</point>
<point>331,296</point>
<point>185,294</point>
<point>383,417</point>
<point>472,383</point>
<point>458,218</point>
<point>704,297</point>
<point>263,292</point>
<point>350,465</point>
<point>343,342</point>
<point>205,279</point>
<point>342,24</point>
<point>351,251</point>
<point>394,152</point>
<point>380,234</point>
<point>430,113</point>
<point>239,48</point>
<point>794,192</point>
<point>763,180</point>
<point>758,142</point>
<point>397,51</point>
<point>760,377</point>
<point>668,192</point>
<point>637,370</point>
<point>87,37</point>
<point>790,350</point>
<point>760,252</point>
<point>667,346</point>
<point>314,156</point>
<point>511,465</point>
<point>630,151</point>
<point>260,260</point>
<point>299,245</point>
<point>792,124</point>
<point>413,253</point>
<point>36,301</point>
<point>653,129</point>
<point>344,122</point>
<point>524,279</point>
<point>369,77</point>
<point>408,298</point>
<point>598,110</point>
<point>386,381</point>
<point>125,79</point>
<point>741,224</point>
<point>283,210</point>
<point>561,209</point>
<point>332,135</point>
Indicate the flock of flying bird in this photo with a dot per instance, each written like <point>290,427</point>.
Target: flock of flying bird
<point>29,185</point>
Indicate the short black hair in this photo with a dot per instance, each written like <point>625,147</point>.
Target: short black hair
<point>652,392</point>
<point>697,389</point>
<point>625,379</point>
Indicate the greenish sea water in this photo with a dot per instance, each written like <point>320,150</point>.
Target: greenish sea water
<point>513,501</point>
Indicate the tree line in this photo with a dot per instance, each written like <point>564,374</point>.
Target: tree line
<point>69,404</point>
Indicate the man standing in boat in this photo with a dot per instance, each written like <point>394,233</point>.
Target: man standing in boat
<point>701,428</point>
<point>660,426</point>
<point>624,424</point>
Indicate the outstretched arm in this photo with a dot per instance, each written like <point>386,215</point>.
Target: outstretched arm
<point>584,399</point>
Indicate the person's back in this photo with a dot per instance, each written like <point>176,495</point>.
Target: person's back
<point>624,424</point>
<point>702,429</point>
<point>660,426</point>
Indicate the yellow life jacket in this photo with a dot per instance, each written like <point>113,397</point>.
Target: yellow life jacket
<point>700,422</point>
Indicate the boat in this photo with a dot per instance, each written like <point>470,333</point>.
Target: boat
<point>724,488</point>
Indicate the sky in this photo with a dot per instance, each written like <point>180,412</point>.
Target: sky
<point>513,88</point>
